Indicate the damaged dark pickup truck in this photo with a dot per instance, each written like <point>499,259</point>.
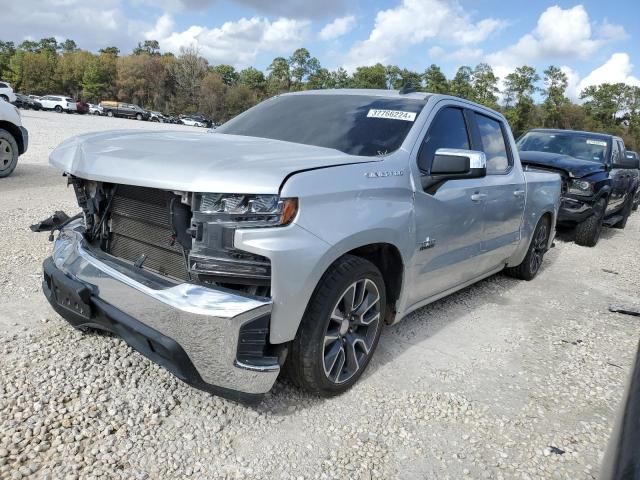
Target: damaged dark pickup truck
<point>599,182</point>
<point>224,255</point>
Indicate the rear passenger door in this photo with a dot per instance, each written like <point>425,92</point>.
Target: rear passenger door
<point>504,202</point>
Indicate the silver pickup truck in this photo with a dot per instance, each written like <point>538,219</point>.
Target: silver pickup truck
<point>287,238</point>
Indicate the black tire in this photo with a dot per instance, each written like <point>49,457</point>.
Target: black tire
<point>58,108</point>
<point>306,362</point>
<point>8,153</point>
<point>626,212</point>
<point>530,266</point>
<point>109,113</point>
<point>138,117</point>
<point>588,231</point>
<point>4,97</point>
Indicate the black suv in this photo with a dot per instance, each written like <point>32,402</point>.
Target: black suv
<point>599,182</point>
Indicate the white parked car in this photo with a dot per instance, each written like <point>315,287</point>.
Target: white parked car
<point>58,103</point>
<point>191,122</point>
<point>6,92</point>
<point>95,109</point>
<point>14,138</point>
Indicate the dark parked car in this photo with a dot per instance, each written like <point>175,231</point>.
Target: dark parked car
<point>27,103</point>
<point>126,110</point>
<point>634,156</point>
<point>157,117</point>
<point>599,184</point>
<point>82,107</point>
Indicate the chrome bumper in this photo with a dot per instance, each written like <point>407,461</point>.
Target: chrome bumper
<point>203,322</point>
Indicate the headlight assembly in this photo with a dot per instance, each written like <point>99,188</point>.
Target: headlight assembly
<point>247,210</point>
<point>581,187</point>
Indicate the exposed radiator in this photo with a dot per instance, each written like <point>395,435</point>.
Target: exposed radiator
<point>141,225</point>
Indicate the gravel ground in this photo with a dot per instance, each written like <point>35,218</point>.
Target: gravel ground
<point>483,384</point>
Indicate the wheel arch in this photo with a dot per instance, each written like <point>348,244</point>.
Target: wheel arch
<point>15,132</point>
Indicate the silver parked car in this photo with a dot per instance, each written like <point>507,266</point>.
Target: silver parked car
<point>292,233</point>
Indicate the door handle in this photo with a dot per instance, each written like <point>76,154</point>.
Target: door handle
<point>518,193</point>
<point>476,197</point>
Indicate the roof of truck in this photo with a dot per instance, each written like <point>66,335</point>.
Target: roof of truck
<point>603,136</point>
<point>371,92</point>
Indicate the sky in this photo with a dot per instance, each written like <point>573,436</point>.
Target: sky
<point>593,41</point>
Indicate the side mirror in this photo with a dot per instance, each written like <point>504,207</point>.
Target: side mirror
<point>453,164</point>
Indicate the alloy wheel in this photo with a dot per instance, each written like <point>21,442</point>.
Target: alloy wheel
<point>351,332</point>
<point>539,248</point>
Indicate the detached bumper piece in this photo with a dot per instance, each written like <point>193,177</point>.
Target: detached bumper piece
<point>199,334</point>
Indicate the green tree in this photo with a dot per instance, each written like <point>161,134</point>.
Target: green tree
<point>187,72</point>
<point>149,47</point>
<point>227,73</point>
<point>520,86</point>
<point>435,81</point>
<point>254,79</point>
<point>555,86</point>
<point>370,77</point>
<point>461,85</point>
<point>485,85</point>
<point>279,78</point>
<point>68,46</point>
<point>7,50</point>
<point>115,51</point>
<point>70,70</point>
<point>605,102</point>
<point>339,78</point>
<point>301,66</point>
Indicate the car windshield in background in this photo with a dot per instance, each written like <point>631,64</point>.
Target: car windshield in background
<point>354,124</point>
<point>575,145</point>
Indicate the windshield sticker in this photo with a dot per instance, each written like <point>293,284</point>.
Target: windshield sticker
<point>597,142</point>
<point>392,114</point>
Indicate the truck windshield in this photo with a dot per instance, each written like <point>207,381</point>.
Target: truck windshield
<point>577,145</point>
<point>354,124</point>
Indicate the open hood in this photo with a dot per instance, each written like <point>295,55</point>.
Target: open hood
<point>575,167</point>
<point>195,162</point>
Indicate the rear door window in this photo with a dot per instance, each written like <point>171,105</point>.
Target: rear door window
<point>494,144</point>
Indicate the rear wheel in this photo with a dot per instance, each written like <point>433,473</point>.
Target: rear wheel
<point>588,231</point>
<point>8,153</point>
<point>530,266</point>
<point>138,117</point>
<point>58,108</point>
<point>340,329</point>
<point>109,113</point>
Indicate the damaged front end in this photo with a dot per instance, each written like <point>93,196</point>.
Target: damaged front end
<point>182,235</point>
<point>159,269</point>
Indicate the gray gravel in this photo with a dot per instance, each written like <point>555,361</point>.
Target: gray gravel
<point>483,384</point>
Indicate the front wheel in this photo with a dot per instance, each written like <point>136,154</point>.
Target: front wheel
<point>138,117</point>
<point>109,113</point>
<point>530,266</point>
<point>340,329</point>
<point>8,153</point>
<point>588,231</point>
<point>58,108</point>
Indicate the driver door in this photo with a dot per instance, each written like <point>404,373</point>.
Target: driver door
<point>448,220</point>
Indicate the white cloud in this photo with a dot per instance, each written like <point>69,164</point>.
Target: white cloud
<point>238,43</point>
<point>560,33</point>
<point>162,28</point>
<point>414,21</point>
<point>339,27</point>
<point>615,70</point>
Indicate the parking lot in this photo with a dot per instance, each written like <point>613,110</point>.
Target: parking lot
<point>505,379</point>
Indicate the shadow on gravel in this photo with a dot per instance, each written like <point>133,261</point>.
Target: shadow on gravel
<point>568,234</point>
<point>28,175</point>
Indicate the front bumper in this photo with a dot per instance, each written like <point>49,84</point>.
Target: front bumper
<point>575,210</point>
<point>192,331</point>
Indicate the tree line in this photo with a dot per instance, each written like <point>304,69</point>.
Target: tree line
<point>187,83</point>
